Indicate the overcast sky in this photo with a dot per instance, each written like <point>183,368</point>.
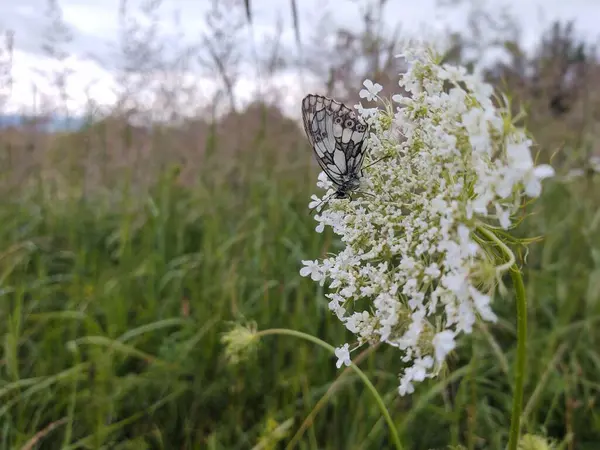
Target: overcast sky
<point>95,29</point>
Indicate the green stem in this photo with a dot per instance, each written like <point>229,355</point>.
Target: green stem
<point>360,373</point>
<point>517,278</point>
<point>515,423</point>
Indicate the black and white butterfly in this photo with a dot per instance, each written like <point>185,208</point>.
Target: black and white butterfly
<point>337,135</point>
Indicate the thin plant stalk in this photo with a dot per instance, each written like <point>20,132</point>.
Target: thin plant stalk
<point>521,302</point>
<point>323,400</point>
<point>515,423</point>
<point>360,373</point>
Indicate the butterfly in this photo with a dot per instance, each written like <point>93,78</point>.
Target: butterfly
<point>337,136</point>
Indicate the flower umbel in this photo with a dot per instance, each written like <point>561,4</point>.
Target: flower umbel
<point>415,269</point>
<point>240,342</point>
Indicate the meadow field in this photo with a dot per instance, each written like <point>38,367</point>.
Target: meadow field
<point>126,251</point>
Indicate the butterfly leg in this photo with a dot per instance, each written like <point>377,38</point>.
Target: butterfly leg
<point>325,200</point>
<point>366,193</point>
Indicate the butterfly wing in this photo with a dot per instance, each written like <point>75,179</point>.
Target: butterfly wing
<point>336,135</point>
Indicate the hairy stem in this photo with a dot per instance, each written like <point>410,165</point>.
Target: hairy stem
<point>521,302</point>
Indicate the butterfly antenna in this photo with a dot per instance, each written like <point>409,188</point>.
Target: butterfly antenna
<point>373,195</point>
<point>375,162</point>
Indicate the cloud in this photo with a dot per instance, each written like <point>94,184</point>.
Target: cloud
<point>34,88</point>
<point>96,24</point>
<point>30,23</point>
<point>94,55</point>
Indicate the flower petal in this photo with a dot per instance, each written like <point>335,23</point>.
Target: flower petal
<point>543,171</point>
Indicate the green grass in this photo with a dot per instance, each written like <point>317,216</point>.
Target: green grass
<point>113,305</point>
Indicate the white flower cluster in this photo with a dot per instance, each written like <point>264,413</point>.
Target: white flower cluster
<point>414,271</point>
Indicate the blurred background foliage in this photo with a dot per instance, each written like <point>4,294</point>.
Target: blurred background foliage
<point>128,245</point>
